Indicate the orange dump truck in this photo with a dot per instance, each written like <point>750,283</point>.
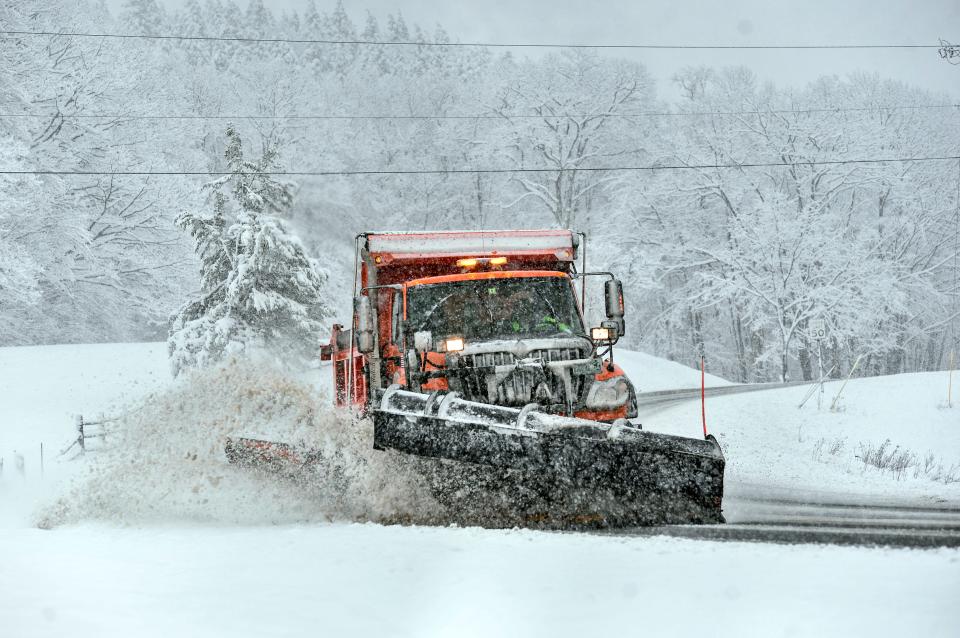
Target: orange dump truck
<point>470,350</point>
<point>492,316</point>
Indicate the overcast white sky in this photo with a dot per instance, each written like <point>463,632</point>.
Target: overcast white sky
<point>703,22</point>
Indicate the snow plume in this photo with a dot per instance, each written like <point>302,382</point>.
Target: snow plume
<point>168,462</point>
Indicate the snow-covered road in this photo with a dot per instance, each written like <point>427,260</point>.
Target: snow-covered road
<point>371,580</point>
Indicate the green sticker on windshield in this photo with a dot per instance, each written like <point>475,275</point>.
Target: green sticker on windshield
<point>491,291</point>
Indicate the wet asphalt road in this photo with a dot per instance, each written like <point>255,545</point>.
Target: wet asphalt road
<point>785,516</point>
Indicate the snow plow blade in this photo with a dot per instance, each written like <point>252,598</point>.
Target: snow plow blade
<point>525,467</point>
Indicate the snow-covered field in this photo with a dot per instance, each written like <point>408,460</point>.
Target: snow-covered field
<point>770,442</point>
<point>43,388</point>
<point>136,558</point>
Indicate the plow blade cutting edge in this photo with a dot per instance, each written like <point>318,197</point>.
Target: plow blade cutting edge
<point>538,469</point>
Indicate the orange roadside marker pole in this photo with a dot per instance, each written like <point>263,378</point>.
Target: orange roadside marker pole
<point>703,396</point>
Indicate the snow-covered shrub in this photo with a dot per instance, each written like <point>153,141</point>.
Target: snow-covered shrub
<point>896,461</point>
<point>833,448</point>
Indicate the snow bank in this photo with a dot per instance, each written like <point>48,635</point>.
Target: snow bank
<point>167,462</point>
<point>771,443</point>
<point>650,373</point>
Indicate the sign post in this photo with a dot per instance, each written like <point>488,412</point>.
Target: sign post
<point>949,383</point>
<point>818,330</point>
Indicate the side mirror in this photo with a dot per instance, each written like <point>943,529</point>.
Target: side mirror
<point>364,324</point>
<point>613,292</point>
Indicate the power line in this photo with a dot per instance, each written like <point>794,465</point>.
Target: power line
<point>529,45</point>
<point>591,169</point>
<point>488,116</point>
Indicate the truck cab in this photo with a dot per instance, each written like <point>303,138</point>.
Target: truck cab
<point>494,316</point>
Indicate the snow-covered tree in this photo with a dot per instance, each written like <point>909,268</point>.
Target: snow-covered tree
<point>579,102</point>
<point>735,261</point>
<point>259,290</point>
<point>707,254</point>
<point>19,271</point>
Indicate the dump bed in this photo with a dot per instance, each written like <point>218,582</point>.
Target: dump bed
<point>560,245</point>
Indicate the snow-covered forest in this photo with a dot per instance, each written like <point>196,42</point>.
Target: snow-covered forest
<point>720,252</point>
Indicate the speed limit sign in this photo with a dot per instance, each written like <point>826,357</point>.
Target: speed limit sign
<point>818,329</point>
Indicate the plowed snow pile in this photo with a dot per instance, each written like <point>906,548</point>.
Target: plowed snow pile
<point>166,461</point>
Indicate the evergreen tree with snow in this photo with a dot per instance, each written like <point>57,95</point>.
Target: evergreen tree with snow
<point>259,290</point>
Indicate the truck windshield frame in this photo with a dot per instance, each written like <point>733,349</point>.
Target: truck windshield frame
<point>495,308</point>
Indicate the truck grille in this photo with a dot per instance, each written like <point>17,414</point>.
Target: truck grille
<point>490,359</point>
<point>478,381</point>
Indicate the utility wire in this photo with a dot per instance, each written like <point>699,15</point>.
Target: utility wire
<point>532,45</point>
<point>665,167</point>
<point>488,116</point>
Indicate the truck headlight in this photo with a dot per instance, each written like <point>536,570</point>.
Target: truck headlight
<point>600,334</point>
<point>611,393</point>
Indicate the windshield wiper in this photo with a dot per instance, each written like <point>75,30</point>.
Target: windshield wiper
<point>483,304</point>
<point>543,298</point>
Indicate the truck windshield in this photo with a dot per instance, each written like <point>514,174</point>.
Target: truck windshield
<point>488,309</point>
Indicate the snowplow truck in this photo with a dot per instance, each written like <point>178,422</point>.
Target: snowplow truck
<point>469,350</point>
